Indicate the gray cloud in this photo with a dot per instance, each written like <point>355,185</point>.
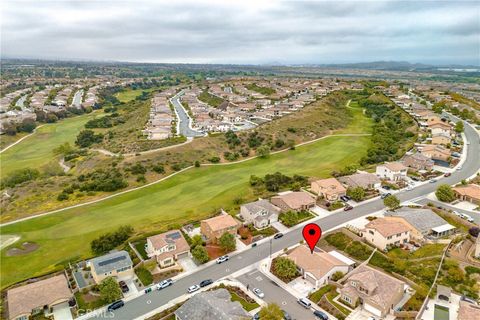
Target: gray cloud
<point>251,31</point>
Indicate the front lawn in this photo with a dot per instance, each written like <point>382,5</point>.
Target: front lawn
<point>144,275</point>
<point>291,218</point>
<point>249,306</point>
<point>317,295</point>
<point>140,247</point>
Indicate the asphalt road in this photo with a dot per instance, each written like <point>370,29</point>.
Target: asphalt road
<point>184,119</point>
<point>148,302</point>
<point>274,293</point>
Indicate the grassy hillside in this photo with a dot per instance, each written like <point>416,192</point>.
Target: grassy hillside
<point>188,196</point>
<point>37,150</point>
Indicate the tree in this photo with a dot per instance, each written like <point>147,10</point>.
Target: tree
<point>109,290</point>
<point>271,312</point>
<point>391,202</point>
<point>285,268</point>
<point>357,193</point>
<point>227,242</point>
<point>459,127</point>
<point>200,254</point>
<point>445,193</point>
<point>28,125</point>
<point>197,241</point>
<point>109,241</point>
<point>263,151</point>
<point>337,276</point>
<point>87,137</point>
<point>474,231</point>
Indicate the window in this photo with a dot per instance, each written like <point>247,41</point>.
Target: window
<point>389,237</point>
<point>354,284</point>
<point>371,232</point>
<point>347,298</point>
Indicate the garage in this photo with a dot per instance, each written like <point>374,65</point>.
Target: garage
<point>372,309</point>
<point>183,255</point>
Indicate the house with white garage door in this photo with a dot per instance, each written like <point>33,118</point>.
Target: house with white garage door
<point>317,267</point>
<point>372,290</point>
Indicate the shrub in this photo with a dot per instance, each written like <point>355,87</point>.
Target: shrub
<point>158,168</point>
<point>109,241</point>
<point>227,242</point>
<point>284,268</point>
<point>20,176</point>
<point>474,231</point>
<point>87,137</point>
<point>200,254</point>
<point>445,193</point>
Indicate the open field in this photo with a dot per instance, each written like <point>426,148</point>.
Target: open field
<point>37,150</point>
<point>6,140</point>
<point>191,195</point>
<point>130,94</point>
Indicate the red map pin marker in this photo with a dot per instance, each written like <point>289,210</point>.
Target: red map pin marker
<point>312,233</point>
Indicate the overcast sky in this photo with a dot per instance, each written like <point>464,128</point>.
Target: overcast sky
<point>243,31</point>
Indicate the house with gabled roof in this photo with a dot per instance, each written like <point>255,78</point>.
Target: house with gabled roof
<point>330,189</point>
<point>260,213</point>
<point>393,171</point>
<point>293,201</point>
<point>167,247</point>
<point>116,264</point>
<point>386,232</point>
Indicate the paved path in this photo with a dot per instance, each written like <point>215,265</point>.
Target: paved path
<point>145,303</point>
<point>20,140</point>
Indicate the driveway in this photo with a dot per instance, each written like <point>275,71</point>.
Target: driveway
<point>187,264</point>
<point>279,226</point>
<point>62,312</point>
<point>275,293</point>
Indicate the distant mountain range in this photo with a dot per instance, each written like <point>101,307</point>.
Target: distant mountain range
<point>389,65</point>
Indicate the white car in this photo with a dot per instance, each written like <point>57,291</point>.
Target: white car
<point>193,288</point>
<point>222,259</point>
<point>409,188</point>
<point>458,214</point>
<point>459,168</point>
<point>164,284</point>
<point>258,292</point>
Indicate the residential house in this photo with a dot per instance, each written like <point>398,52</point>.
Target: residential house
<point>330,189</point>
<point>261,213</point>
<point>441,138</point>
<point>42,296</point>
<point>116,264</point>
<point>214,304</point>
<point>470,193</point>
<point>423,222</point>
<point>362,180</point>
<point>476,253</point>
<point>215,227</point>
<point>437,153</point>
<point>418,161</point>
<point>385,232</point>
<point>293,201</point>
<point>167,247</point>
<point>437,126</point>
<point>318,267</point>
<point>468,311</point>
<point>393,171</point>
<point>376,291</point>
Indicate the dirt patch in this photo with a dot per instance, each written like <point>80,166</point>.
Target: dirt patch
<point>26,248</point>
<point>89,297</point>
<point>214,251</point>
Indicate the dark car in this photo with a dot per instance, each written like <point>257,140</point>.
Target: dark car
<point>116,305</point>
<point>320,315</point>
<point>205,283</point>
<point>286,316</point>
<point>415,178</point>
<point>278,236</point>
<point>123,286</point>
<point>383,196</point>
<point>386,187</point>
<point>347,208</point>
<point>254,245</point>
<point>448,174</point>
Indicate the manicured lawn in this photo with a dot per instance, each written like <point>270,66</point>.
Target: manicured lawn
<point>245,304</point>
<point>332,295</point>
<point>441,313</point>
<point>37,150</point>
<point>129,94</point>
<point>428,250</point>
<point>186,197</point>
<point>140,246</point>
<point>317,295</point>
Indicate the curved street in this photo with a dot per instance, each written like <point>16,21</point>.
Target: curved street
<point>184,126</point>
<point>146,303</point>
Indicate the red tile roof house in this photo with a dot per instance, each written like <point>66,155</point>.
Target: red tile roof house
<point>470,193</point>
<point>376,291</point>
<point>215,227</point>
<point>293,201</point>
<point>318,267</point>
<point>167,247</point>
<point>418,161</point>
<point>363,180</point>
<point>386,232</point>
<point>37,297</point>
<point>330,189</point>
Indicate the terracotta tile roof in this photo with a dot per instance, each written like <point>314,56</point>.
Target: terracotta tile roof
<point>395,166</point>
<point>318,263</point>
<point>330,186</point>
<point>171,237</point>
<point>296,200</point>
<point>22,300</point>
<point>387,227</point>
<point>471,190</point>
<point>221,222</point>
<point>468,311</point>
<point>381,287</point>
<point>360,180</point>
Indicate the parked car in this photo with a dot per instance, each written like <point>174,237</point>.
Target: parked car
<point>384,195</point>
<point>448,174</point>
<point>386,187</point>
<point>468,299</point>
<point>320,315</point>
<point>123,286</point>
<point>165,283</point>
<point>223,259</point>
<point>254,245</point>
<point>205,283</point>
<point>459,168</point>
<point>415,178</point>
<point>345,198</point>
<point>304,302</point>
<point>278,235</point>
<point>432,180</point>
<point>193,288</point>
<point>347,207</point>
<point>458,214</point>
<point>116,305</point>
<point>259,293</point>
<point>409,188</point>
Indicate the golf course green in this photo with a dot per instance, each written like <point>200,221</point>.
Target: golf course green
<point>37,149</point>
<point>186,196</point>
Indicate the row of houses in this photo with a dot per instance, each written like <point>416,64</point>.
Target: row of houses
<point>161,119</point>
